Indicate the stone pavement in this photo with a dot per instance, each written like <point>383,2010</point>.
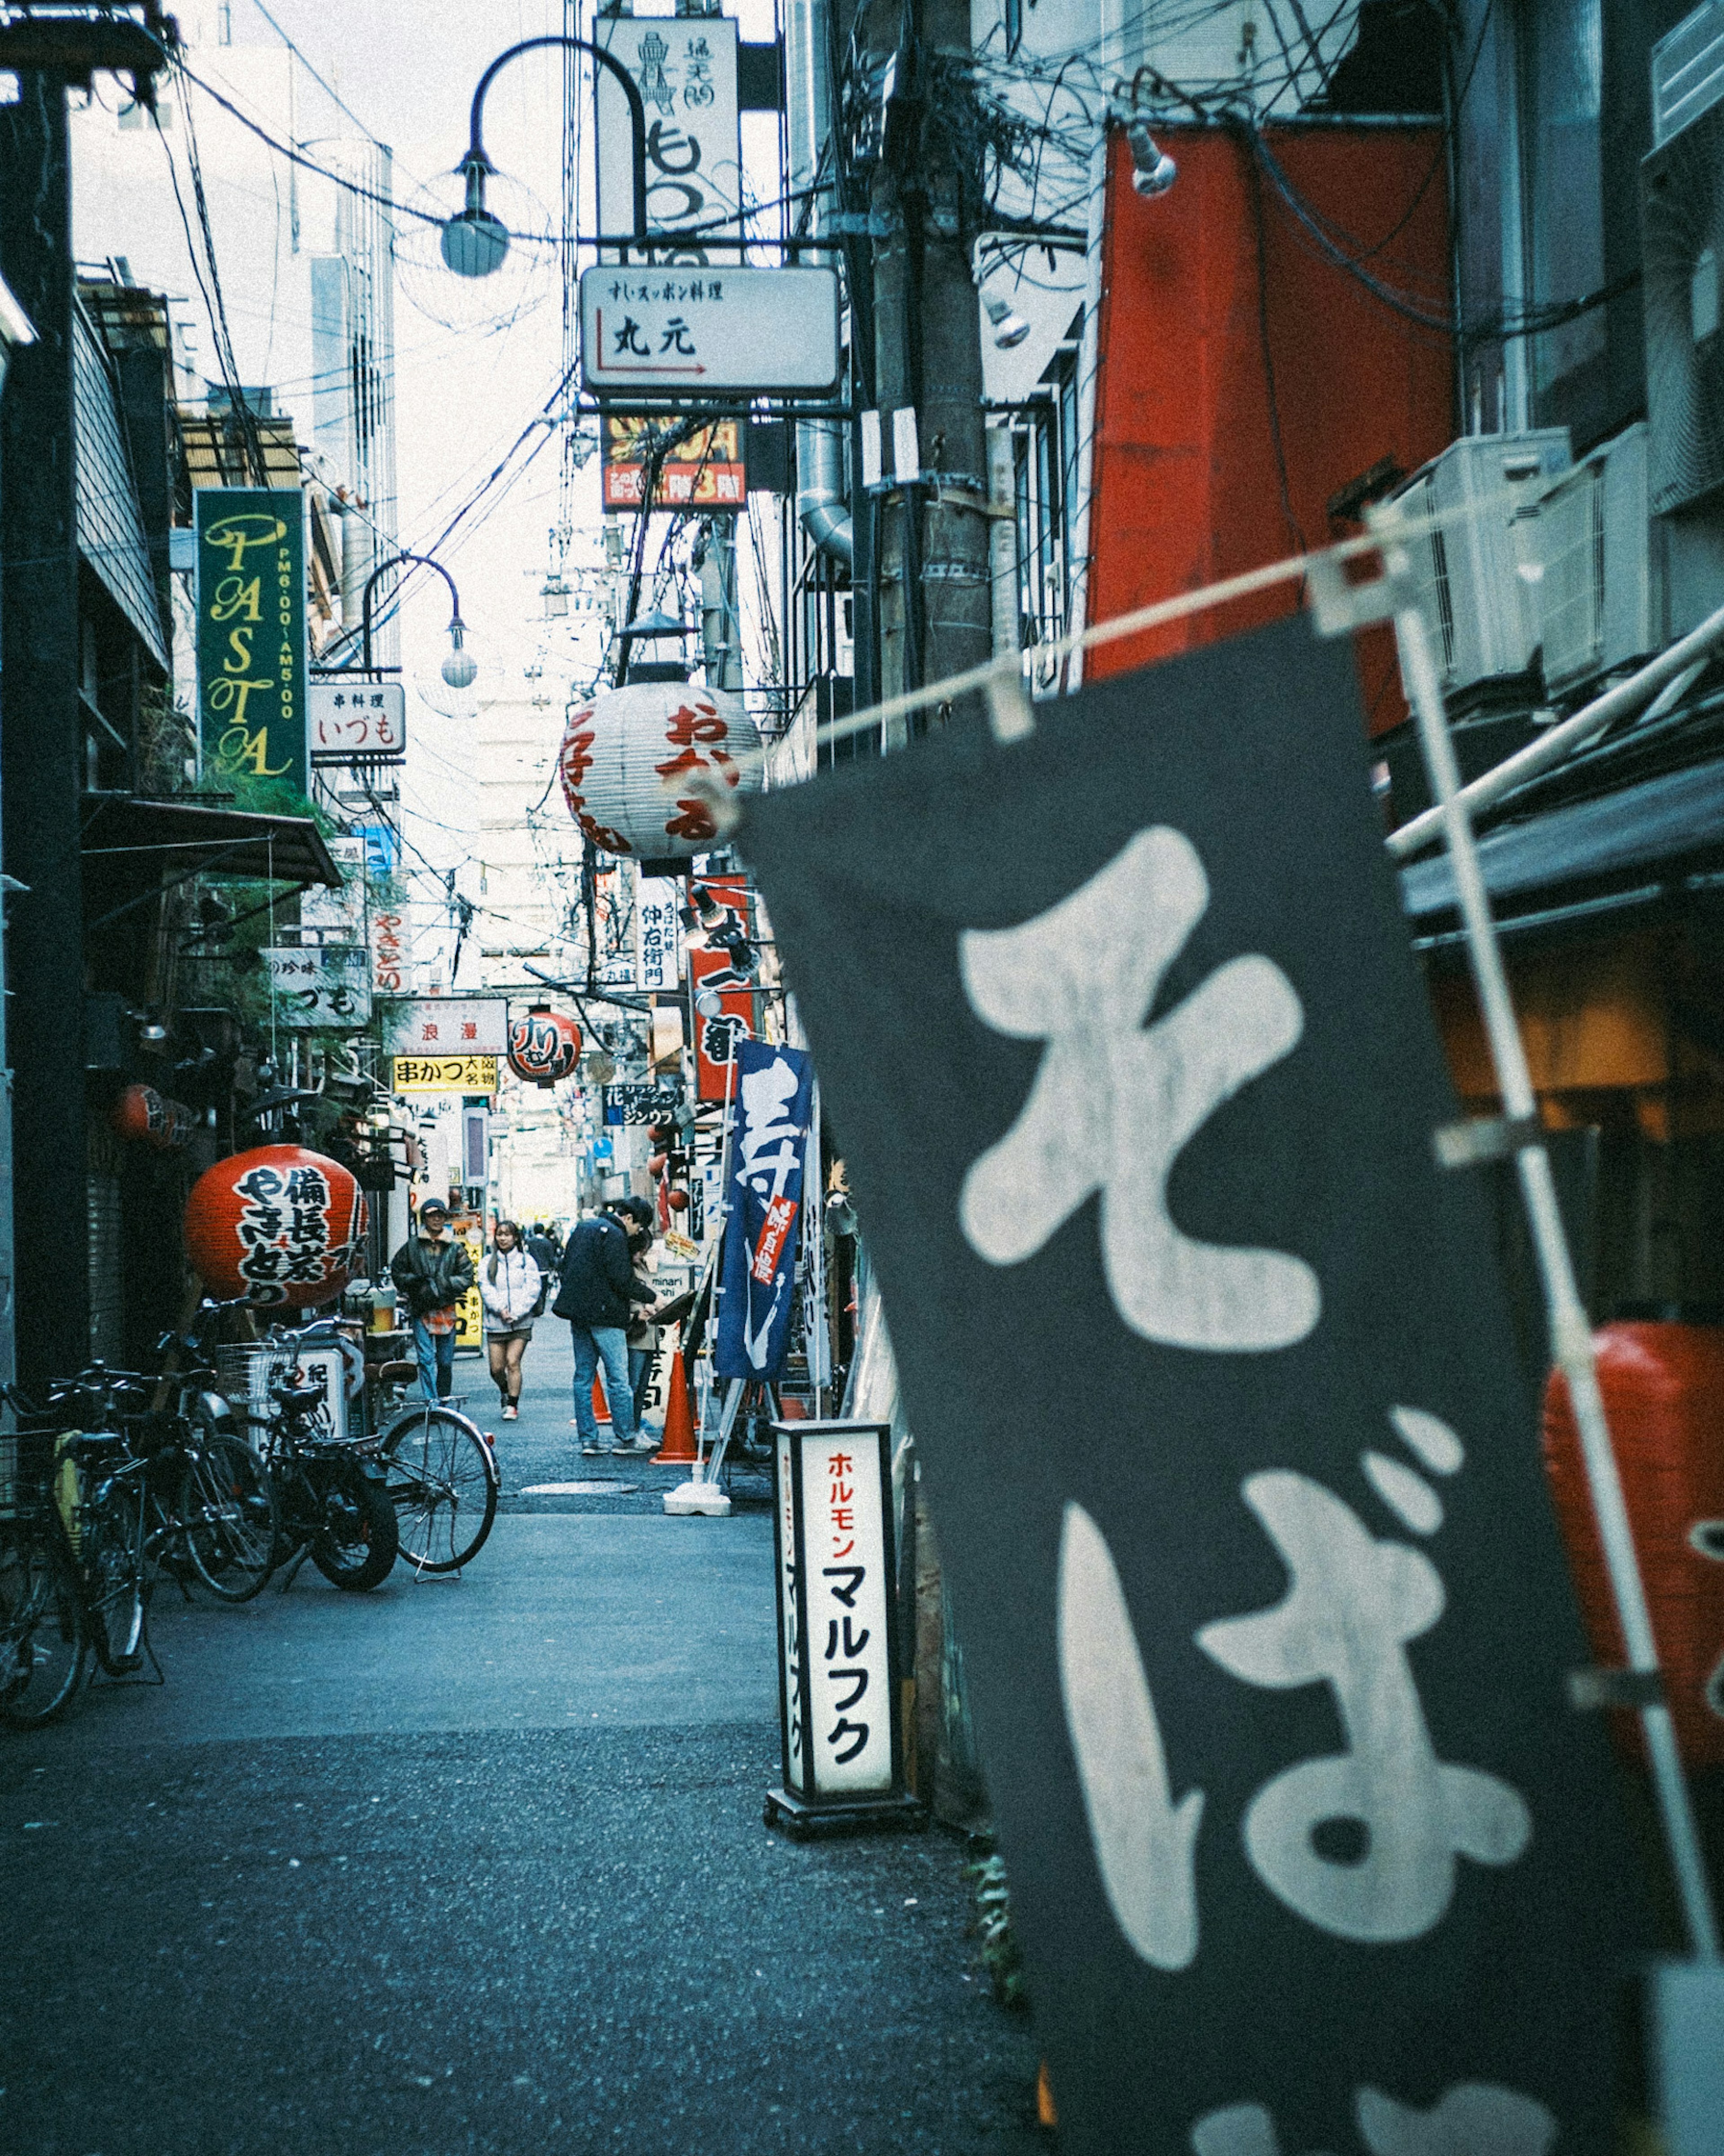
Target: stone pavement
<point>478,1865</point>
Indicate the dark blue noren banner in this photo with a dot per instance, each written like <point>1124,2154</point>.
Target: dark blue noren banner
<point>1233,1468</point>
<point>762,1226</point>
<point>251,632</point>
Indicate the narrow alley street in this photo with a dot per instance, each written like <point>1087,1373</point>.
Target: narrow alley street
<point>478,1865</point>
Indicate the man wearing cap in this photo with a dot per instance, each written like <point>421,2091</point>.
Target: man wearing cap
<point>596,1292</point>
<point>432,1272</point>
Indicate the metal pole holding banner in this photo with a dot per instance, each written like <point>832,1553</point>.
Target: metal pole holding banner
<point>1641,1684</point>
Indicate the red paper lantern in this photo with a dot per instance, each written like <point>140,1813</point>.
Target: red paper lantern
<point>142,1113</point>
<point>279,1224</point>
<point>678,1201</point>
<point>1664,1400</point>
<point>543,1045</point>
<point>635,760</point>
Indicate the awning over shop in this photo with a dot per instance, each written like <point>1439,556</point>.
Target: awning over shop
<point>1632,847</point>
<point>154,839</point>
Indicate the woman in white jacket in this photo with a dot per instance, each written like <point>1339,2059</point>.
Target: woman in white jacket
<point>509,1285</point>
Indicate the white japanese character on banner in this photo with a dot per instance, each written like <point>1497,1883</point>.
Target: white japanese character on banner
<point>1472,2118</point>
<point>1400,1815</point>
<point>1362,1844</point>
<point>771,1142</point>
<point>1113,1101</point>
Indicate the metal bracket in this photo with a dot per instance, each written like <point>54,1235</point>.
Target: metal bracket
<point>1472,1143</point>
<point>1590,1689</point>
<point>1338,608</point>
<point>1010,717</point>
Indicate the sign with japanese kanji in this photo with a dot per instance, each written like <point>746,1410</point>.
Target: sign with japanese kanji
<point>705,469</point>
<point>713,979</point>
<point>701,332</point>
<point>685,68</point>
<point>837,1606</point>
<point>659,901</point>
<point>640,1104</point>
<point>251,631</point>
<point>340,914</point>
<point>327,985</point>
<point>443,1074</point>
<point>451,1025</point>
<point>769,1137</point>
<point>357,720</point>
<point>1265,1622</point>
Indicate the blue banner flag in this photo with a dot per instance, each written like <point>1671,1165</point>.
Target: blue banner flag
<point>774,1096</point>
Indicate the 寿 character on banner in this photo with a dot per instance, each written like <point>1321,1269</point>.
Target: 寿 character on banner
<point>774,1094</point>
<point>1266,1626</point>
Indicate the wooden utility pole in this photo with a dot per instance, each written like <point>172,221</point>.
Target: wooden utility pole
<point>934,608</point>
<point>42,739</point>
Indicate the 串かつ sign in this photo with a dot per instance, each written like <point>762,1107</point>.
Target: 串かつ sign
<point>443,1074</point>
<point>251,631</point>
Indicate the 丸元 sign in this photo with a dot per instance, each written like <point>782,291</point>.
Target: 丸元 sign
<point>702,332</point>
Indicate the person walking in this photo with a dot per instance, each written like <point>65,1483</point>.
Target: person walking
<point>643,1333</point>
<point>596,1292</point>
<point>511,1287</point>
<point>432,1272</point>
<point>542,1247</point>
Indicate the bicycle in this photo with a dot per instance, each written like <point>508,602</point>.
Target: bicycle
<point>442,1478</point>
<point>332,1503</point>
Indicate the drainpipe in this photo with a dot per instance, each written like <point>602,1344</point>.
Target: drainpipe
<point>821,507</point>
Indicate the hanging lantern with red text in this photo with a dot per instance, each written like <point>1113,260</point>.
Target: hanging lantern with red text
<point>634,762</point>
<point>279,1225</point>
<point>141,1112</point>
<point>543,1045</point>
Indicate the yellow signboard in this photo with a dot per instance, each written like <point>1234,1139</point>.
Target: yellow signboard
<point>469,1311</point>
<point>443,1074</point>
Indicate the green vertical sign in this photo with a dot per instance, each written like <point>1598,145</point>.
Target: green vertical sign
<point>251,632</point>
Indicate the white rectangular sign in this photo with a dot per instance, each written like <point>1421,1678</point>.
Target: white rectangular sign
<point>340,913</point>
<point>352,719</point>
<point>657,916</point>
<point>321,984</point>
<point>451,1025</point>
<point>685,70</point>
<point>698,331</point>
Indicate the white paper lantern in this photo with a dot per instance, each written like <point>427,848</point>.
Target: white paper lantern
<point>633,759</point>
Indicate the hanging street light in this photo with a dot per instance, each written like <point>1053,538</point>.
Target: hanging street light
<point>459,668</point>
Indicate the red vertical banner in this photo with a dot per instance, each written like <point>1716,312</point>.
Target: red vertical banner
<point>716,1032</point>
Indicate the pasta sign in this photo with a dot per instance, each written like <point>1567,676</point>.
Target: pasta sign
<point>251,632</point>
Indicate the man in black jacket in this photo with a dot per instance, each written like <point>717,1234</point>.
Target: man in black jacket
<point>431,1276</point>
<point>595,1291</point>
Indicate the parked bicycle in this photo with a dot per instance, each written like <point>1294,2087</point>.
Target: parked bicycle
<point>332,1499</point>
<point>443,1481</point>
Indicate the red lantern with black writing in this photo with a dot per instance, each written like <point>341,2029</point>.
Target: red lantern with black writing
<point>637,765</point>
<point>279,1225</point>
<point>543,1045</point>
<point>141,1112</point>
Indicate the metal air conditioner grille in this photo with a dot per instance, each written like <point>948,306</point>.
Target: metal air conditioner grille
<point>1682,227</point>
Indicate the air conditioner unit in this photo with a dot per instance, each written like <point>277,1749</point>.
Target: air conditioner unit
<point>1598,604</point>
<point>1470,570</point>
<point>1687,71</point>
<point>1682,251</point>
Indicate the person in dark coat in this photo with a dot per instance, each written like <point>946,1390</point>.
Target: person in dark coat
<point>432,1272</point>
<point>542,1247</point>
<point>597,1291</point>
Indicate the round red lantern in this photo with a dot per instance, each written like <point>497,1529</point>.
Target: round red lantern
<point>1664,1398</point>
<point>280,1225</point>
<point>543,1045</point>
<point>677,1200</point>
<point>635,760</point>
<point>141,1113</point>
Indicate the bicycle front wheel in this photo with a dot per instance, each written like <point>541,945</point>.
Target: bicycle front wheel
<point>356,1539</point>
<point>227,1509</point>
<point>112,1553</point>
<point>44,1649</point>
<point>443,1482</point>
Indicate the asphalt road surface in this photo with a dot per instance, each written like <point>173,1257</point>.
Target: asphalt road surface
<point>478,1865</point>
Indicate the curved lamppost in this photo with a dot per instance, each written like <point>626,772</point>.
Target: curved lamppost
<point>475,241</point>
<point>460,667</point>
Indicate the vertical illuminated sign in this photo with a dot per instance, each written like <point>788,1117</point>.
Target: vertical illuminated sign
<point>251,632</point>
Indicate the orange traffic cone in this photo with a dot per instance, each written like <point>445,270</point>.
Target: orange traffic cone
<point>601,1406</point>
<point>677,1449</point>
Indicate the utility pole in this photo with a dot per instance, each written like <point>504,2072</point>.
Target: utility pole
<point>935,612</point>
<point>42,740</point>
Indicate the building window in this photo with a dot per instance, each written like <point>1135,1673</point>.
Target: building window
<point>1563,86</point>
<point>1044,444</point>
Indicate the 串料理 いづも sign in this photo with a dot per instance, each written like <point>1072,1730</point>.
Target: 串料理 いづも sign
<point>251,631</point>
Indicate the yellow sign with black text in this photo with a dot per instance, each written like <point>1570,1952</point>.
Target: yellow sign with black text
<point>443,1074</point>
